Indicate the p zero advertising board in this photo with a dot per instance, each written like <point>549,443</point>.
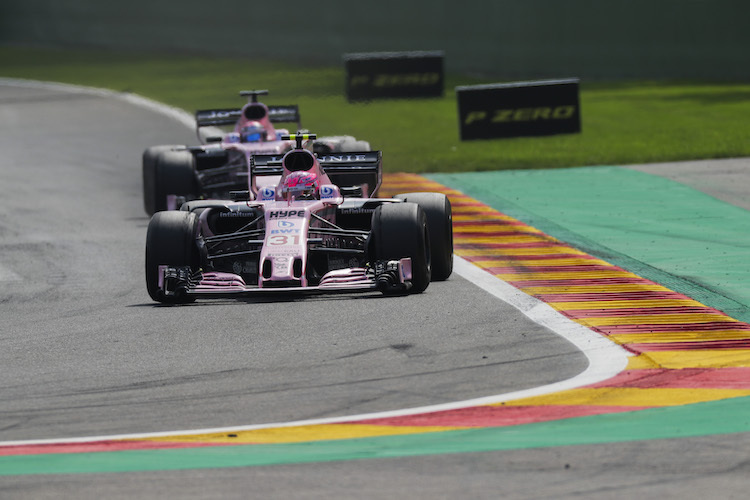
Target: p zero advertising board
<point>383,75</point>
<point>519,109</point>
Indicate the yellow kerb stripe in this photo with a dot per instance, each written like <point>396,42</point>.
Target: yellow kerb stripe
<point>565,275</point>
<point>459,217</point>
<point>657,319</point>
<point>571,261</point>
<point>630,396</point>
<point>546,250</point>
<point>703,358</point>
<point>624,304</point>
<point>504,239</point>
<point>679,336</point>
<point>619,288</point>
<point>303,434</point>
<point>459,230</point>
<point>641,362</point>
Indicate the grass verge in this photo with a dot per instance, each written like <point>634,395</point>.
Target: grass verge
<point>623,123</point>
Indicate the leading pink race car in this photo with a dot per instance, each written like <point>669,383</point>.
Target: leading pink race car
<point>293,230</point>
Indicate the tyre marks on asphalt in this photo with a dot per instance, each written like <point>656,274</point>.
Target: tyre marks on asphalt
<point>8,275</point>
<point>683,352</point>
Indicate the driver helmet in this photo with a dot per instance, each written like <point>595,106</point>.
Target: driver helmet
<point>300,186</point>
<point>253,132</point>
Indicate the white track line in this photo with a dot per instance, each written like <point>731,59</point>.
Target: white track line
<point>177,114</point>
<point>606,359</point>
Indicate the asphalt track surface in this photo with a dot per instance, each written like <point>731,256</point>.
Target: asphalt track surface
<point>725,179</point>
<point>85,352</point>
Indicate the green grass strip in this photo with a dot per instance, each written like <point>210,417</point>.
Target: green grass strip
<point>623,122</point>
<point>659,423</point>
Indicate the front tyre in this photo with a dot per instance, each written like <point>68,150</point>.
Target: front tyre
<point>400,230</point>
<point>437,208</point>
<point>170,241</point>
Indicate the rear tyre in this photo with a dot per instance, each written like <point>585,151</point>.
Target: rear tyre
<point>150,156</point>
<point>400,230</point>
<point>174,173</point>
<point>170,241</point>
<point>437,208</point>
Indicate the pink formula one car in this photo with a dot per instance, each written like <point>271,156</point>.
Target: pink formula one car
<point>300,234</point>
<point>175,174</point>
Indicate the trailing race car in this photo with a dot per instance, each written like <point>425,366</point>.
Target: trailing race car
<point>301,234</point>
<point>174,174</point>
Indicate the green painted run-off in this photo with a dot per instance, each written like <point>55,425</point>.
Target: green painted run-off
<point>657,228</point>
<point>658,423</point>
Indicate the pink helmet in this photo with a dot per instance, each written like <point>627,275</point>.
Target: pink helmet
<point>300,185</point>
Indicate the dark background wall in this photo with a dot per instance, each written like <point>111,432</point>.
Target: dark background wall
<point>592,39</point>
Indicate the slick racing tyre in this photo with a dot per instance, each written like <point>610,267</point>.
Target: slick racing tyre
<point>150,156</point>
<point>174,173</point>
<point>437,208</point>
<point>170,241</point>
<point>400,230</point>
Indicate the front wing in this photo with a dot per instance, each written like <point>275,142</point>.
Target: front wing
<point>386,276</point>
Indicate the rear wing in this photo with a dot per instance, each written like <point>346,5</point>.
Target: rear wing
<point>218,117</point>
<point>285,114</point>
<point>356,174</point>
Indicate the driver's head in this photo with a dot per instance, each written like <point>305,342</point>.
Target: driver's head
<point>300,186</point>
<point>253,132</point>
